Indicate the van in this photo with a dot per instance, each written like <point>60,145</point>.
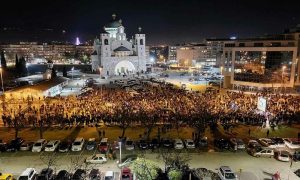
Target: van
<point>78,144</point>
<point>103,145</point>
<point>28,174</point>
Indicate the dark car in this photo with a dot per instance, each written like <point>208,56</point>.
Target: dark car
<point>63,175</point>
<point>14,145</point>
<point>91,144</point>
<point>95,174</point>
<point>46,174</point>
<point>297,172</point>
<point>64,146</point>
<point>221,144</point>
<point>143,144</point>
<point>296,156</point>
<point>154,144</point>
<point>3,146</point>
<point>203,142</point>
<point>278,141</point>
<point>167,143</point>
<point>79,174</point>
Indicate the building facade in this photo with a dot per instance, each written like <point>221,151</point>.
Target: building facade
<point>193,55</point>
<point>115,55</point>
<point>259,63</point>
<point>35,52</point>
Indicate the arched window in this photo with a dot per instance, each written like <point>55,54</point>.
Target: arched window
<point>141,42</point>
<point>105,41</point>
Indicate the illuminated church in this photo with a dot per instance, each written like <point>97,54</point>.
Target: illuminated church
<point>114,54</point>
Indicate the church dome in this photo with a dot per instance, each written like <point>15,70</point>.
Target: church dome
<point>114,23</point>
<point>121,48</point>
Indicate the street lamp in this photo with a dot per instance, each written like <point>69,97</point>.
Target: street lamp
<point>100,70</point>
<point>72,72</point>
<point>83,80</point>
<point>282,73</point>
<point>120,147</point>
<point>221,70</point>
<point>2,80</point>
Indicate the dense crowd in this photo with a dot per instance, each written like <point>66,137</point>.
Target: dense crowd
<point>153,104</point>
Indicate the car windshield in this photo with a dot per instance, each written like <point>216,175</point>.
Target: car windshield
<point>129,143</point>
<point>229,176</point>
<point>38,144</point>
<point>77,143</point>
<point>108,178</point>
<point>103,144</point>
<point>23,178</point>
<point>90,143</point>
<point>190,143</point>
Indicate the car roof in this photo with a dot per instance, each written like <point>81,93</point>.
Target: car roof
<point>226,168</point>
<point>27,171</point>
<point>40,140</point>
<point>109,173</point>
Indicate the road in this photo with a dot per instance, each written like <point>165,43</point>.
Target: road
<point>252,168</point>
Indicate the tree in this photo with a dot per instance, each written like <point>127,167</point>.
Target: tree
<point>22,66</point>
<point>3,60</point>
<point>145,169</point>
<point>53,73</point>
<point>175,174</point>
<point>65,73</point>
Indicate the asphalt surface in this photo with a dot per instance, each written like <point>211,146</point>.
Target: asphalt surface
<point>246,166</point>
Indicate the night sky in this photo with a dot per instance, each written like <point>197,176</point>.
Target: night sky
<point>163,21</point>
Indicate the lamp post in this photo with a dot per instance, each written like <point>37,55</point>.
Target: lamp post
<point>283,68</point>
<point>72,72</point>
<point>221,69</point>
<point>83,80</point>
<point>1,80</point>
<point>100,70</point>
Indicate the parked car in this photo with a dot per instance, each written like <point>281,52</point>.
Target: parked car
<point>279,142</point>
<point>109,175</point>
<point>252,144</point>
<point>91,144</point>
<point>126,174</point>
<point>78,144</point>
<point>46,174</point>
<point>261,152</point>
<point>63,175</point>
<point>79,174</point>
<point>6,176</point>
<point>282,156</point>
<point>95,174</point>
<point>178,144</point>
<point>221,144</point>
<point>167,143</point>
<point>51,146</point>
<point>28,174</point>
<point>143,144</point>
<point>39,145</point>
<point>64,146</point>
<point>103,145</point>
<point>267,142</point>
<point>203,142</point>
<point>14,145</point>
<point>225,173</point>
<point>189,144</point>
<point>3,146</point>
<point>96,159</point>
<point>297,172</point>
<point>154,143</point>
<point>237,142</point>
<point>129,145</point>
<point>292,143</point>
<point>26,146</point>
<point>296,156</point>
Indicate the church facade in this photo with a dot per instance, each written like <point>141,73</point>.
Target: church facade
<point>115,55</point>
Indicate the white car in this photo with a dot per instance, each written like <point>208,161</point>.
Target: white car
<point>267,143</point>
<point>39,145</point>
<point>78,144</point>
<point>283,156</point>
<point>52,145</point>
<point>178,144</point>
<point>292,143</point>
<point>96,159</point>
<point>225,173</point>
<point>109,175</point>
<point>129,145</point>
<point>189,143</point>
<point>28,174</point>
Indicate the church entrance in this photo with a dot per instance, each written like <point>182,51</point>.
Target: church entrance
<point>124,67</point>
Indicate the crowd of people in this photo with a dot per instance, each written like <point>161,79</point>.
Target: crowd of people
<point>154,103</point>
